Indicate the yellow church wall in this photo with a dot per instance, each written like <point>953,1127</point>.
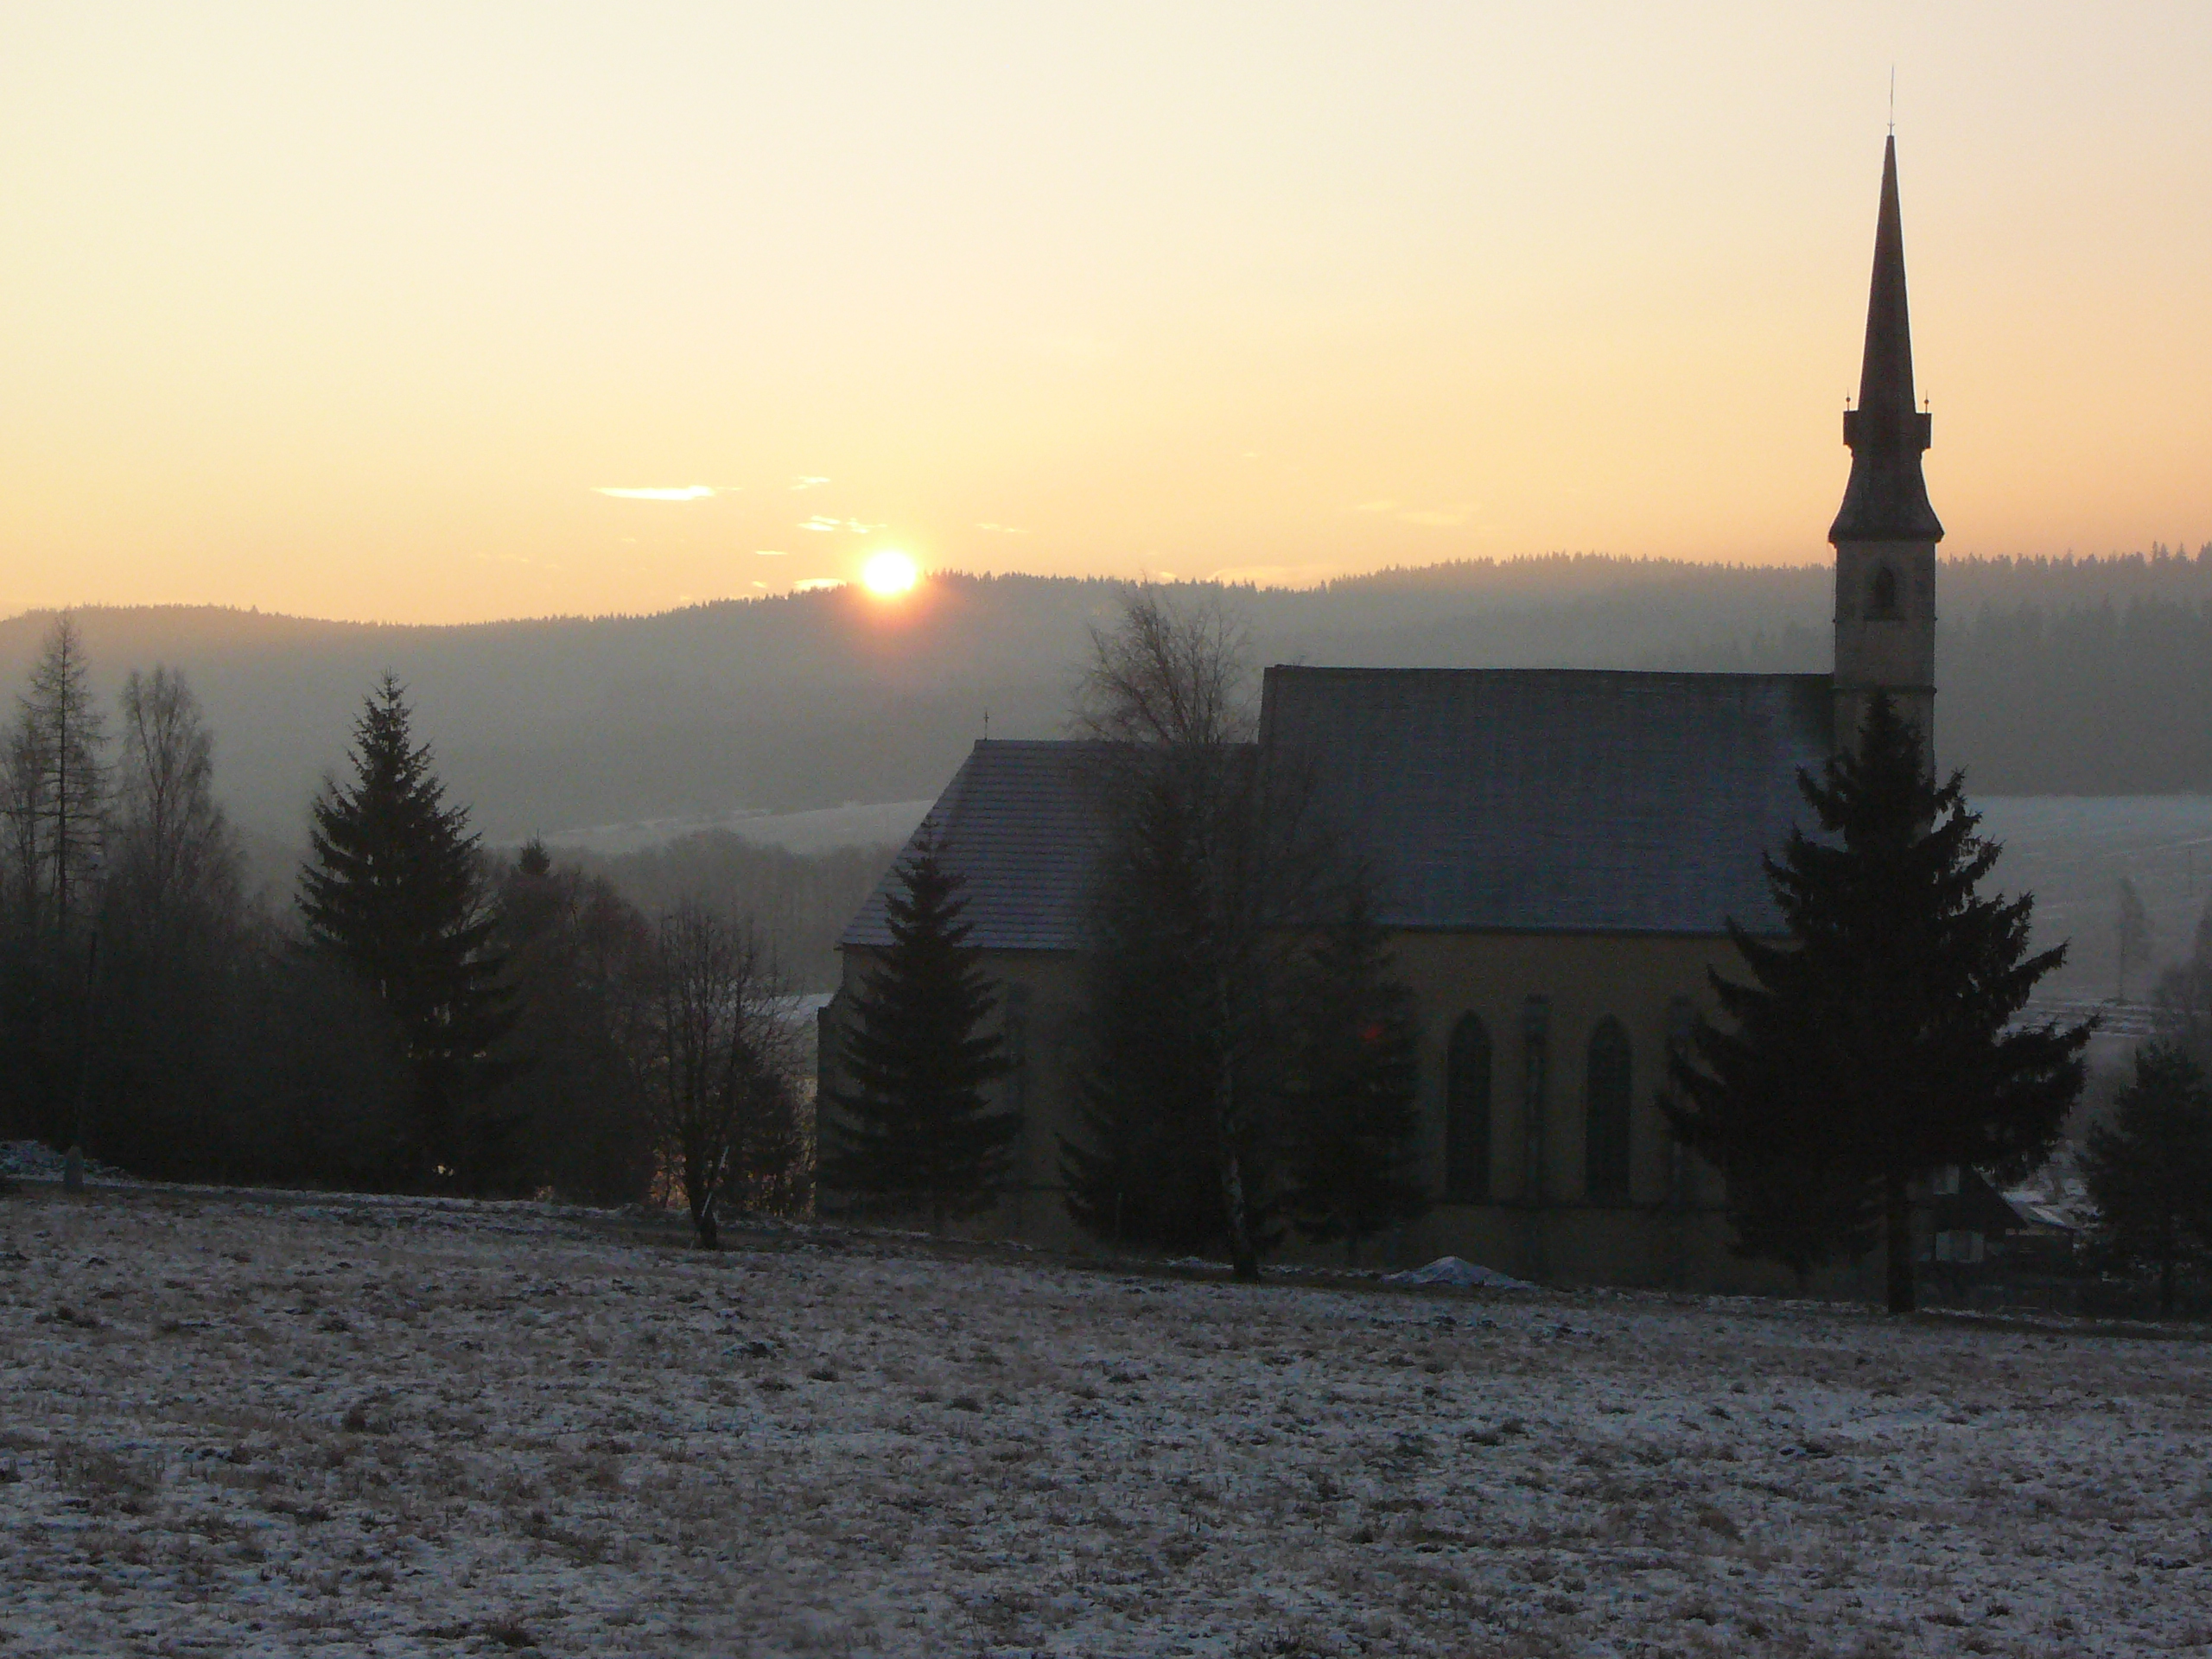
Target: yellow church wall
<point>1671,1232</point>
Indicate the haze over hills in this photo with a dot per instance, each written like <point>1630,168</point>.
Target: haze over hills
<point>2088,675</point>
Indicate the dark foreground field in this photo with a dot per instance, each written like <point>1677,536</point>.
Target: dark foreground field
<point>234,1426</point>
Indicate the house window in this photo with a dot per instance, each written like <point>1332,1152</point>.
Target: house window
<point>1882,596</point>
<point>1466,1113</point>
<point>1605,1137</point>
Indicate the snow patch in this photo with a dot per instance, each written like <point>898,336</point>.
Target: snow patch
<point>1455,1274</point>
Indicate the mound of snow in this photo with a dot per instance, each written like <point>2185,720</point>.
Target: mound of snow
<point>1449,1270</point>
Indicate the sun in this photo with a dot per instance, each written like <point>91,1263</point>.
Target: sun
<point>888,574</point>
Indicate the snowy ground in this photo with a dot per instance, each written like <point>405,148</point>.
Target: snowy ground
<point>240,1424</point>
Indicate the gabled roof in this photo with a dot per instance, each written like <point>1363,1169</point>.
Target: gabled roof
<point>1544,800</point>
<point>1557,800</point>
<point>1019,822</point>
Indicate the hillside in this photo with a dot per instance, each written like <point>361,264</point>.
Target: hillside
<point>2086,676</point>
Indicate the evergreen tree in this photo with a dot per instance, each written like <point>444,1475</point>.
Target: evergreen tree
<point>1347,1112</point>
<point>64,791</point>
<point>53,828</point>
<point>392,890</point>
<point>571,942</point>
<point>914,1127</point>
<point>1145,1167</point>
<point>2150,1171</point>
<point>1877,1043</point>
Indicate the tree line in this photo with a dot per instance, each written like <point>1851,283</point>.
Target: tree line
<point>424,1015</point>
<point>2056,676</point>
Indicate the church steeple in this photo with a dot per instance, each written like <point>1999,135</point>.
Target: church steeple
<point>1885,535</point>
<point>1886,500</point>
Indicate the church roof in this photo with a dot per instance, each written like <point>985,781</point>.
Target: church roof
<point>1019,822</point>
<point>1559,799</point>
<point>1886,500</point>
<point>1524,800</point>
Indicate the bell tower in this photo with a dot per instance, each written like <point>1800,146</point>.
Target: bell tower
<point>1886,533</point>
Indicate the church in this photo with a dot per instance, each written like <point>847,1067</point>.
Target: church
<point>1559,853</point>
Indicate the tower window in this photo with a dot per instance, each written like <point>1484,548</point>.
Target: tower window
<point>1015,1035</point>
<point>1605,1143</point>
<point>1466,1113</point>
<point>1882,595</point>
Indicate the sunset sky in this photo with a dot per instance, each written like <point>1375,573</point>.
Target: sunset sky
<point>453,312</point>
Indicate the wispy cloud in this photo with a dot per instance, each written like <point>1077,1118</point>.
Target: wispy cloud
<point>808,483</point>
<point>770,553</point>
<point>1446,516</point>
<point>1004,530</point>
<point>826,525</point>
<point>817,584</point>
<point>672,493</point>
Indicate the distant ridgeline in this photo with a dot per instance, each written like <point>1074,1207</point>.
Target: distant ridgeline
<point>2090,676</point>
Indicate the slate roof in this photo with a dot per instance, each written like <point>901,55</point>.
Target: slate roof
<point>1558,799</point>
<point>1547,800</point>
<point>1019,822</point>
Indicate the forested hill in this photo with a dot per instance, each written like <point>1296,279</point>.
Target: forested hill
<point>2071,676</point>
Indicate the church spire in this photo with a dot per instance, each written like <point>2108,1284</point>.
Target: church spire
<point>1886,500</point>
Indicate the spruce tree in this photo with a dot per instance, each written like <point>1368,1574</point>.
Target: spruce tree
<point>53,828</point>
<point>393,891</point>
<point>61,740</point>
<point>1348,1113</point>
<point>2150,1171</point>
<point>915,1129</point>
<point>1877,1043</point>
<point>1145,1168</point>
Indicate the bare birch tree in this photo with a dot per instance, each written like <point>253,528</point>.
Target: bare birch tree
<point>716,1051</point>
<point>176,859</point>
<point>1170,698</point>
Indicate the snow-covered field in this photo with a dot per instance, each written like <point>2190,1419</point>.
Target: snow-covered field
<point>240,1425</point>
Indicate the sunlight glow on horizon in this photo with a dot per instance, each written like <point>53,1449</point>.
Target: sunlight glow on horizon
<point>890,574</point>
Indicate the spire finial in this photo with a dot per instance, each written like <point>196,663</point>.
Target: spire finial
<point>1893,100</point>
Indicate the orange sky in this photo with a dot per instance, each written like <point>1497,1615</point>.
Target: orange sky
<point>351,311</point>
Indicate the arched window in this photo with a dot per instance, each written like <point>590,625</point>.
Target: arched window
<point>1606,1134</point>
<point>1466,1113</point>
<point>1882,596</point>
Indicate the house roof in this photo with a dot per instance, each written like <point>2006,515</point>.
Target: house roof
<point>1557,800</point>
<point>1019,822</point>
<point>1523,799</point>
